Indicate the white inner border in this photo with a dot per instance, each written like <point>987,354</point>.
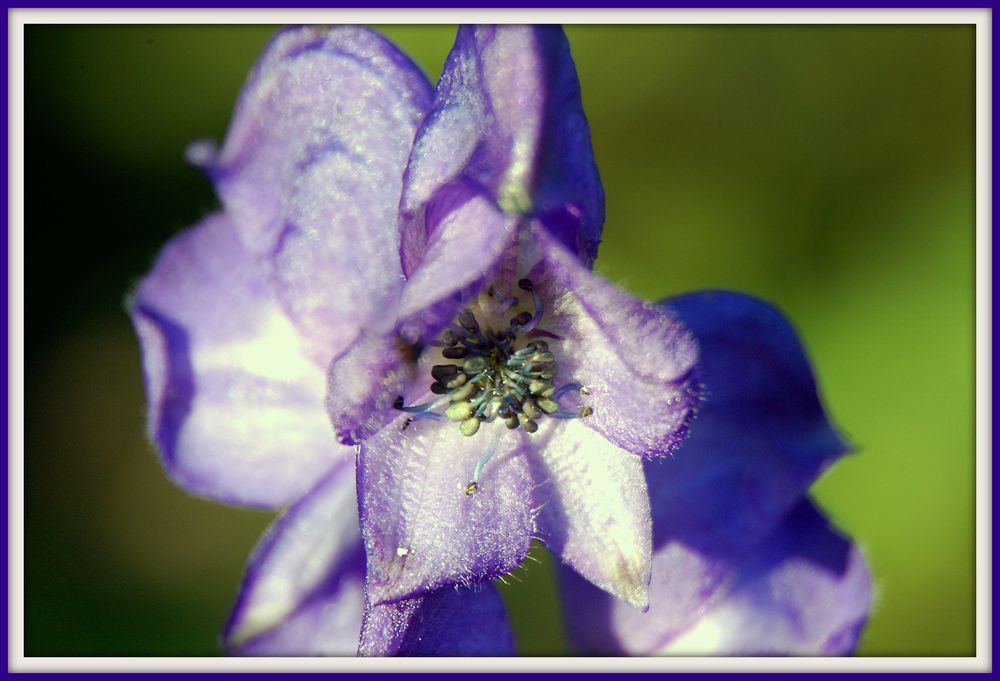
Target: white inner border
<point>16,20</point>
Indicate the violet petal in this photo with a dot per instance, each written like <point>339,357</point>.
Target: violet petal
<point>594,508</point>
<point>446,622</point>
<point>465,244</point>
<point>364,382</point>
<point>309,559</point>
<point>761,436</point>
<point>235,404</point>
<point>805,590</point>
<point>731,532</point>
<point>507,116</point>
<point>311,172</point>
<point>421,529</point>
<point>633,357</point>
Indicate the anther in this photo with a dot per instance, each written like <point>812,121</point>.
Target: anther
<point>459,411</point>
<point>469,427</point>
<point>444,372</point>
<point>474,364</point>
<point>548,406</point>
<point>455,352</point>
<point>520,319</point>
<point>467,321</point>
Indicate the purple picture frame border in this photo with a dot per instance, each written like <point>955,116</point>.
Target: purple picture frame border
<point>439,4</point>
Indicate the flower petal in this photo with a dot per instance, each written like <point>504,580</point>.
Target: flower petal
<point>507,115</point>
<point>363,384</point>
<point>235,405</point>
<point>805,590</point>
<point>325,626</point>
<point>307,570</point>
<point>635,359</point>
<point>595,509</point>
<point>421,529</point>
<point>311,172</point>
<point>469,237</point>
<point>761,437</point>
<point>465,244</point>
<point>446,622</point>
<point>731,533</point>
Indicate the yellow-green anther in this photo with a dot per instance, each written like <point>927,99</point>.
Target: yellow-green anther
<point>548,406</point>
<point>463,393</point>
<point>530,410</point>
<point>469,426</point>
<point>537,387</point>
<point>456,382</point>
<point>474,364</point>
<point>459,411</point>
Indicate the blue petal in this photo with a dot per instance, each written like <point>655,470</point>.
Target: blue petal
<point>447,622</point>
<point>761,437</point>
<point>735,544</point>
<point>507,117</point>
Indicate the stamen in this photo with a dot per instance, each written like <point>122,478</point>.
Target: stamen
<point>526,285</point>
<point>504,374</point>
<point>414,408</point>
<point>505,300</point>
<point>471,488</point>
<point>542,333</point>
<point>569,387</point>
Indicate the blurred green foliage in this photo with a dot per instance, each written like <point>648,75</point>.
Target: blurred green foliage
<point>828,169</point>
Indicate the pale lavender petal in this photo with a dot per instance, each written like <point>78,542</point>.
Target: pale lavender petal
<point>761,437</point>
<point>447,622</point>
<point>421,529</point>
<point>595,509</point>
<point>805,590</point>
<point>364,382</point>
<point>635,359</point>
<point>310,562</point>
<point>464,246</point>
<point>311,172</point>
<point>235,404</point>
<point>325,626</point>
<point>507,115</point>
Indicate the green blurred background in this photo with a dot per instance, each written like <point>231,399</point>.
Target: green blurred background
<point>826,168</point>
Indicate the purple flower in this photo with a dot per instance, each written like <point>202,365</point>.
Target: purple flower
<point>413,268</point>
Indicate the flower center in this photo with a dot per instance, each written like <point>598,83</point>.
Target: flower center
<point>507,375</point>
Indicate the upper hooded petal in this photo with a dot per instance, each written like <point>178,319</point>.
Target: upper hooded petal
<point>303,589</point>
<point>507,116</point>
<point>420,527</point>
<point>594,508</point>
<point>469,239</point>
<point>446,622</point>
<point>235,404</point>
<point>311,172</point>
<point>635,359</point>
<point>804,590</point>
